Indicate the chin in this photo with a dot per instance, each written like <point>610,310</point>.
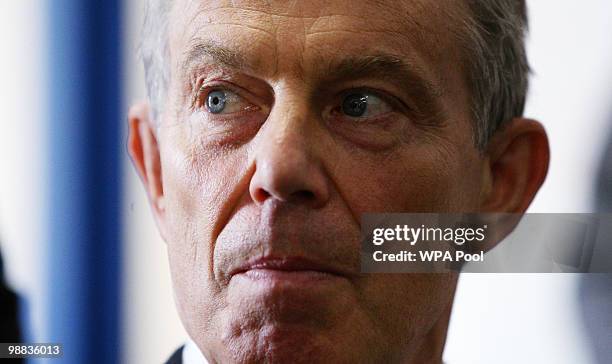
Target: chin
<point>275,343</point>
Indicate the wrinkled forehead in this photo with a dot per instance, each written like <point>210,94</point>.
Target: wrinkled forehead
<point>274,36</point>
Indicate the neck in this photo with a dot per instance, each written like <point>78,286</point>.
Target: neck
<point>432,345</point>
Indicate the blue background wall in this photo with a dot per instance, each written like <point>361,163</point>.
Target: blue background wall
<point>85,181</point>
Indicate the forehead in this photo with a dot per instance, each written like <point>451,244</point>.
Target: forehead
<point>274,35</point>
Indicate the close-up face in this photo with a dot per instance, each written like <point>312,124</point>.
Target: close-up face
<point>283,123</point>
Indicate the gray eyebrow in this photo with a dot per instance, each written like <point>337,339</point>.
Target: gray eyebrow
<point>201,50</point>
<point>381,65</point>
<point>412,77</point>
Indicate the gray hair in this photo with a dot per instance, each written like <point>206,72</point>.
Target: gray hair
<point>154,51</point>
<point>497,63</point>
<point>497,67</point>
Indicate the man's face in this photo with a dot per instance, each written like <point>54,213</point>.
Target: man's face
<point>284,123</point>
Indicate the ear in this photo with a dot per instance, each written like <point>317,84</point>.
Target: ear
<point>517,159</point>
<point>144,152</point>
<point>516,163</point>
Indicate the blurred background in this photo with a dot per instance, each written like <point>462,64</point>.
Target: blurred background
<point>79,243</point>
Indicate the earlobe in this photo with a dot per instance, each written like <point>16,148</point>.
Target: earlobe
<point>517,156</point>
<point>144,152</point>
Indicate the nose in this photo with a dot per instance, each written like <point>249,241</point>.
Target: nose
<point>287,165</point>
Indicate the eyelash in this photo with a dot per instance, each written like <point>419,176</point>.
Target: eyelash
<point>202,92</point>
<point>394,103</point>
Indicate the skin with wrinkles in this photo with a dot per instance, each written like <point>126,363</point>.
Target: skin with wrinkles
<point>287,175</point>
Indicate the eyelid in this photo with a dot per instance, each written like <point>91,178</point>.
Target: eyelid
<point>202,92</point>
<point>206,88</point>
<point>394,102</point>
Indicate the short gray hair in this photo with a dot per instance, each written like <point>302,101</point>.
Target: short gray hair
<point>496,60</point>
<point>155,52</point>
<point>497,63</point>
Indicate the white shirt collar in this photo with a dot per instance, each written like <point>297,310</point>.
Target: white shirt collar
<point>192,354</point>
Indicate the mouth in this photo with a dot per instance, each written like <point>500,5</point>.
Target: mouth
<point>288,269</point>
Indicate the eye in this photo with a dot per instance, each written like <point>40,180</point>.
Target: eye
<point>363,104</point>
<point>223,101</point>
<point>215,102</point>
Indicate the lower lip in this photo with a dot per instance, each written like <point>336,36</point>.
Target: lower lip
<point>289,277</point>
<point>286,296</point>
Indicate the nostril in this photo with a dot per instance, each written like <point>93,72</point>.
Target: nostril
<point>293,183</point>
<point>304,195</point>
<point>261,195</point>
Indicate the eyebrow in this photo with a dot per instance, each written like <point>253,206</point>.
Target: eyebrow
<point>202,50</point>
<point>424,93</point>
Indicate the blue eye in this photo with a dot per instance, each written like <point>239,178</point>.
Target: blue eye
<point>215,102</point>
<point>224,101</point>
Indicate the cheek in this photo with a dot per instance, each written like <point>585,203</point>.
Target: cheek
<point>197,184</point>
<point>411,180</point>
<point>419,299</point>
<point>198,180</point>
